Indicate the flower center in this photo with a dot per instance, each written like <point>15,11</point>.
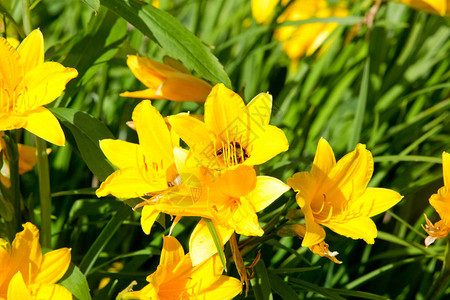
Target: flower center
<point>232,154</point>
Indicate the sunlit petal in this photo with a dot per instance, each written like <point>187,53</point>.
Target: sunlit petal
<point>44,124</point>
<point>31,50</point>
<point>54,265</point>
<point>120,153</point>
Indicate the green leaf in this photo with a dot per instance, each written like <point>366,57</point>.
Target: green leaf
<point>173,37</point>
<point>87,132</point>
<point>261,283</point>
<point>94,4</point>
<point>76,283</point>
<point>281,288</point>
<point>216,239</point>
<point>351,20</point>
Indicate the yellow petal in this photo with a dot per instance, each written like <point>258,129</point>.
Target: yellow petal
<point>46,82</point>
<point>11,67</point>
<point>50,292</point>
<point>440,201</point>
<point>431,6</point>
<point>172,252</point>
<point>145,94</point>
<point>271,142</point>
<point>314,232</point>
<point>222,289</point>
<point>146,70</point>
<point>120,153</point>
<point>305,184</point>
<point>128,183</point>
<point>324,160</point>
<point>446,167</point>
<point>260,109</point>
<point>267,190</point>
<point>44,124</point>
<point>17,289</point>
<point>225,113</point>
<point>375,201</point>
<point>201,244</point>
<point>191,130</point>
<point>154,136</point>
<point>148,217</point>
<point>27,158</point>
<point>357,228</point>
<point>237,182</point>
<point>31,50</point>
<point>244,219</point>
<point>263,10</point>
<point>184,87</point>
<point>9,121</point>
<point>54,265</point>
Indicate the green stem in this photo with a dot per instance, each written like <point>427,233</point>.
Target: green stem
<point>26,14</point>
<point>441,283</point>
<point>44,192</point>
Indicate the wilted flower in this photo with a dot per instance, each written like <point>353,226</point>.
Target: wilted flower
<point>440,7</point>
<point>166,82</point>
<point>336,195</point>
<point>26,84</point>
<point>232,133</point>
<point>26,273</point>
<point>176,278</point>
<point>306,39</point>
<point>441,203</point>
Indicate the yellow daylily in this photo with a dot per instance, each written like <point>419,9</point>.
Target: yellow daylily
<point>176,278</point>
<point>26,273</point>
<point>441,203</point>
<point>306,39</point>
<point>321,248</point>
<point>152,168</point>
<point>234,198</point>
<point>335,194</point>
<point>440,7</point>
<point>26,84</point>
<point>263,10</point>
<point>166,82</point>
<point>232,133</point>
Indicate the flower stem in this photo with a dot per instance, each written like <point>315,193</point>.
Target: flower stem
<point>44,192</point>
<point>442,281</point>
<point>26,15</point>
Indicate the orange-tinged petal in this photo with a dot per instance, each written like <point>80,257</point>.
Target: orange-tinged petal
<point>146,70</point>
<point>54,265</point>
<point>184,87</point>
<point>128,183</point>
<point>50,292</point>
<point>375,201</point>
<point>120,153</point>
<point>146,94</point>
<point>46,82</point>
<point>201,244</point>
<point>446,167</point>
<point>27,158</point>
<point>271,142</point>
<point>237,182</point>
<point>314,232</point>
<point>304,183</point>
<point>358,228</point>
<point>31,50</point>
<point>441,203</point>
<point>324,160</point>
<point>148,217</point>
<point>17,289</point>
<point>191,130</point>
<point>267,190</point>
<point>225,113</point>
<point>44,124</point>
<point>172,252</point>
<point>154,136</point>
<point>11,67</point>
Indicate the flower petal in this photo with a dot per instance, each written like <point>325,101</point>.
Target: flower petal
<point>17,289</point>
<point>172,252</point>
<point>11,68</point>
<point>148,217</point>
<point>51,292</point>
<point>9,121</point>
<point>128,183</point>
<point>237,182</point>
<point>120,153</point>
<point>201,244</point>
<point>357,228</point>
<point>267,190</point>
<point>191,130</point>
<point>271,142</point>
<point>145,94</point>
<point>260,109</point>
<point>184,87</point>
<point>263,10</point>
<point>224,288</point>
<point>46,82</point>
<point>31,50</point>
<point>314,232</point>
<point>446,167</point>
<point>375,201</point>
<point>27,158</point>
<point>147,70</point>
<point>44,124</point>
<point>244,219</point>
<point>440,202</point>
<point>324,160</point>
<point>54,265</point>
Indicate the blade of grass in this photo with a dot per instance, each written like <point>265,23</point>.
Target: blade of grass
<point>216,239</point>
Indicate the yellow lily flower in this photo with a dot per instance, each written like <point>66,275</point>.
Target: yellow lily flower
<point>441,203</point>
<point>336,195</point>
<point>263,10</point>
<point>306,39</point>
<point>439,7</point>
<point>232,133</point>
<point>152,168</point>
<point>26,273</point>
<point>166,82</point>
<point>26,84</point>
<point>234,198</point>
<point>176,278</point>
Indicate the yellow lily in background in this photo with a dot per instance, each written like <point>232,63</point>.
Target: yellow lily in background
<point>441,203</point>
<point>232,133</point>
<point>336,195</point>
<point>306,39</point>
<point>439,7</point>
<point>26,84</point>
<point>166,82</point>
<point>26,273</point>
<point>263,10</point>
<point>176,278</point>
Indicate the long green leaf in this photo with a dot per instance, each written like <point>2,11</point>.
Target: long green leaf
<point>173,37</point>
<point>261,282</point>
<point>94,4</point>
<point>76,283</point>
<point>216,239</point>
